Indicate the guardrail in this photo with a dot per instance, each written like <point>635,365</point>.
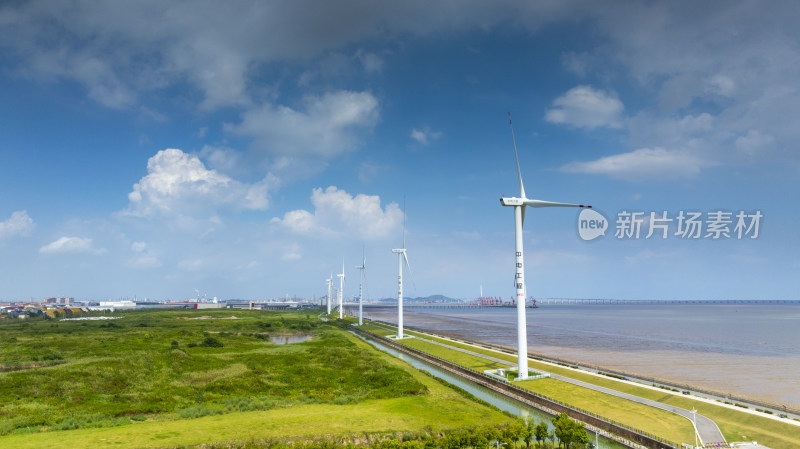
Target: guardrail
<point>532,398</point>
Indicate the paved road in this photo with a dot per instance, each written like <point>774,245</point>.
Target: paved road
<point>707,429</point>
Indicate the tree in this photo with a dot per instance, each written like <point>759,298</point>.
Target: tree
<point>412,444</point>
<point>478,439</point>
<point>390,444</point>
<point>492,433</point>
<point>541,433</point>
<point>511,433</point>
<point>528,432</point>
<point>568,431</point>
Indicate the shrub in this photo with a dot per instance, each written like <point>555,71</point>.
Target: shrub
<point>199,411</point>
<point>211,342</point>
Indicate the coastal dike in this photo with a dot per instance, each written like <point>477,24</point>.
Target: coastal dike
<point>640,439</point>
<point>733,399</point>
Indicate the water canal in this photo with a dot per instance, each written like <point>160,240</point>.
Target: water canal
<point>485,394</point>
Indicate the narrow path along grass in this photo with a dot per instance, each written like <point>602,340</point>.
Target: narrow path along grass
<point>734,424</point>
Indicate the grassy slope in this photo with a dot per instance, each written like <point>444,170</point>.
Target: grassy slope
<point>655,421</point>
<point>733,424</point>
<point>658,422</point>
<point>383,415</point>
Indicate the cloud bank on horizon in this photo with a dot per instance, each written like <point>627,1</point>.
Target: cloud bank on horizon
<point>154,148</point>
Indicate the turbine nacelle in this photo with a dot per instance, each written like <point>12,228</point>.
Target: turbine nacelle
<point>512,201</point>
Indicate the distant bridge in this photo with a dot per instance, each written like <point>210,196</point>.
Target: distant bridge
<point>574,301</point>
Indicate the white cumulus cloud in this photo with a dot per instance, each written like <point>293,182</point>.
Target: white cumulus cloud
<point>18,224</point>
<point>71,245</point>
<point>146,261</point>
<point>179,183</point>
<point>326,125</point>
<point>424,135</point>
<point>372,62</point>
<point>337,212</point>
<point>144,257</point>
<point>641,164</point>
<point>585,107</point>
<point>752,142</point>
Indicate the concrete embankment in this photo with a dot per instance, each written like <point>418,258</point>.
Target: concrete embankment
<point>707,430</point>
<point>527,397</point>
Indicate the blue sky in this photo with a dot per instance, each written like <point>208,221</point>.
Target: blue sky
<point>149,149</point>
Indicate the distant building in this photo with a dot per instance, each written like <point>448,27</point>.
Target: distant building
<point>64,300</point>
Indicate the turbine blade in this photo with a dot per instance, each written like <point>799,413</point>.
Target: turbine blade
<point>540,203</point>
<point>404,222</point>
<point>410,276</point>
<point>523,215</point>
<point>516,157</point>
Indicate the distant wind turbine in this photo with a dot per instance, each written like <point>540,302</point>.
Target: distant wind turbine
<point>341,289</point>
<point>361,268</point>
<point>329,281</point>
<point>401,255</point>
<point>519,278</point>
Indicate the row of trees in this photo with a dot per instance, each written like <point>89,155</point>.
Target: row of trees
<point>568,433</point>
<point>519,434</point>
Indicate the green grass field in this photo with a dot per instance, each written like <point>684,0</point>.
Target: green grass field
<point>168,378</point>
<point>735,425</point>
<point>657,422</point>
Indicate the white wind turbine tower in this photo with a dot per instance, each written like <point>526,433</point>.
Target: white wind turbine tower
<point>329,281</point>
<point>361,289</point>
<point>341,290</point>
<point>401,255</point>
<point>519,278</point>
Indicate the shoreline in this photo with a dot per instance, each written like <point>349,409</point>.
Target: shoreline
<point>746,403</point>
<point>793,414</point>
<point>709,352</point>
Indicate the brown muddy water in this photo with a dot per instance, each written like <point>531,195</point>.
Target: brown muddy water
<point>743,350</point>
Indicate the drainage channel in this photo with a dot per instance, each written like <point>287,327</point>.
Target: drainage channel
<point>485,394</point>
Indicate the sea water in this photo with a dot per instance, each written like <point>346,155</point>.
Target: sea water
<point>747,350</point>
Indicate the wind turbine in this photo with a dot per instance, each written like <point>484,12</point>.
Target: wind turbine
<point>401,255</point>
<point>329,281</point>
<point>341,289</point>
<point>361,289</point>
<point>519,278</point>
